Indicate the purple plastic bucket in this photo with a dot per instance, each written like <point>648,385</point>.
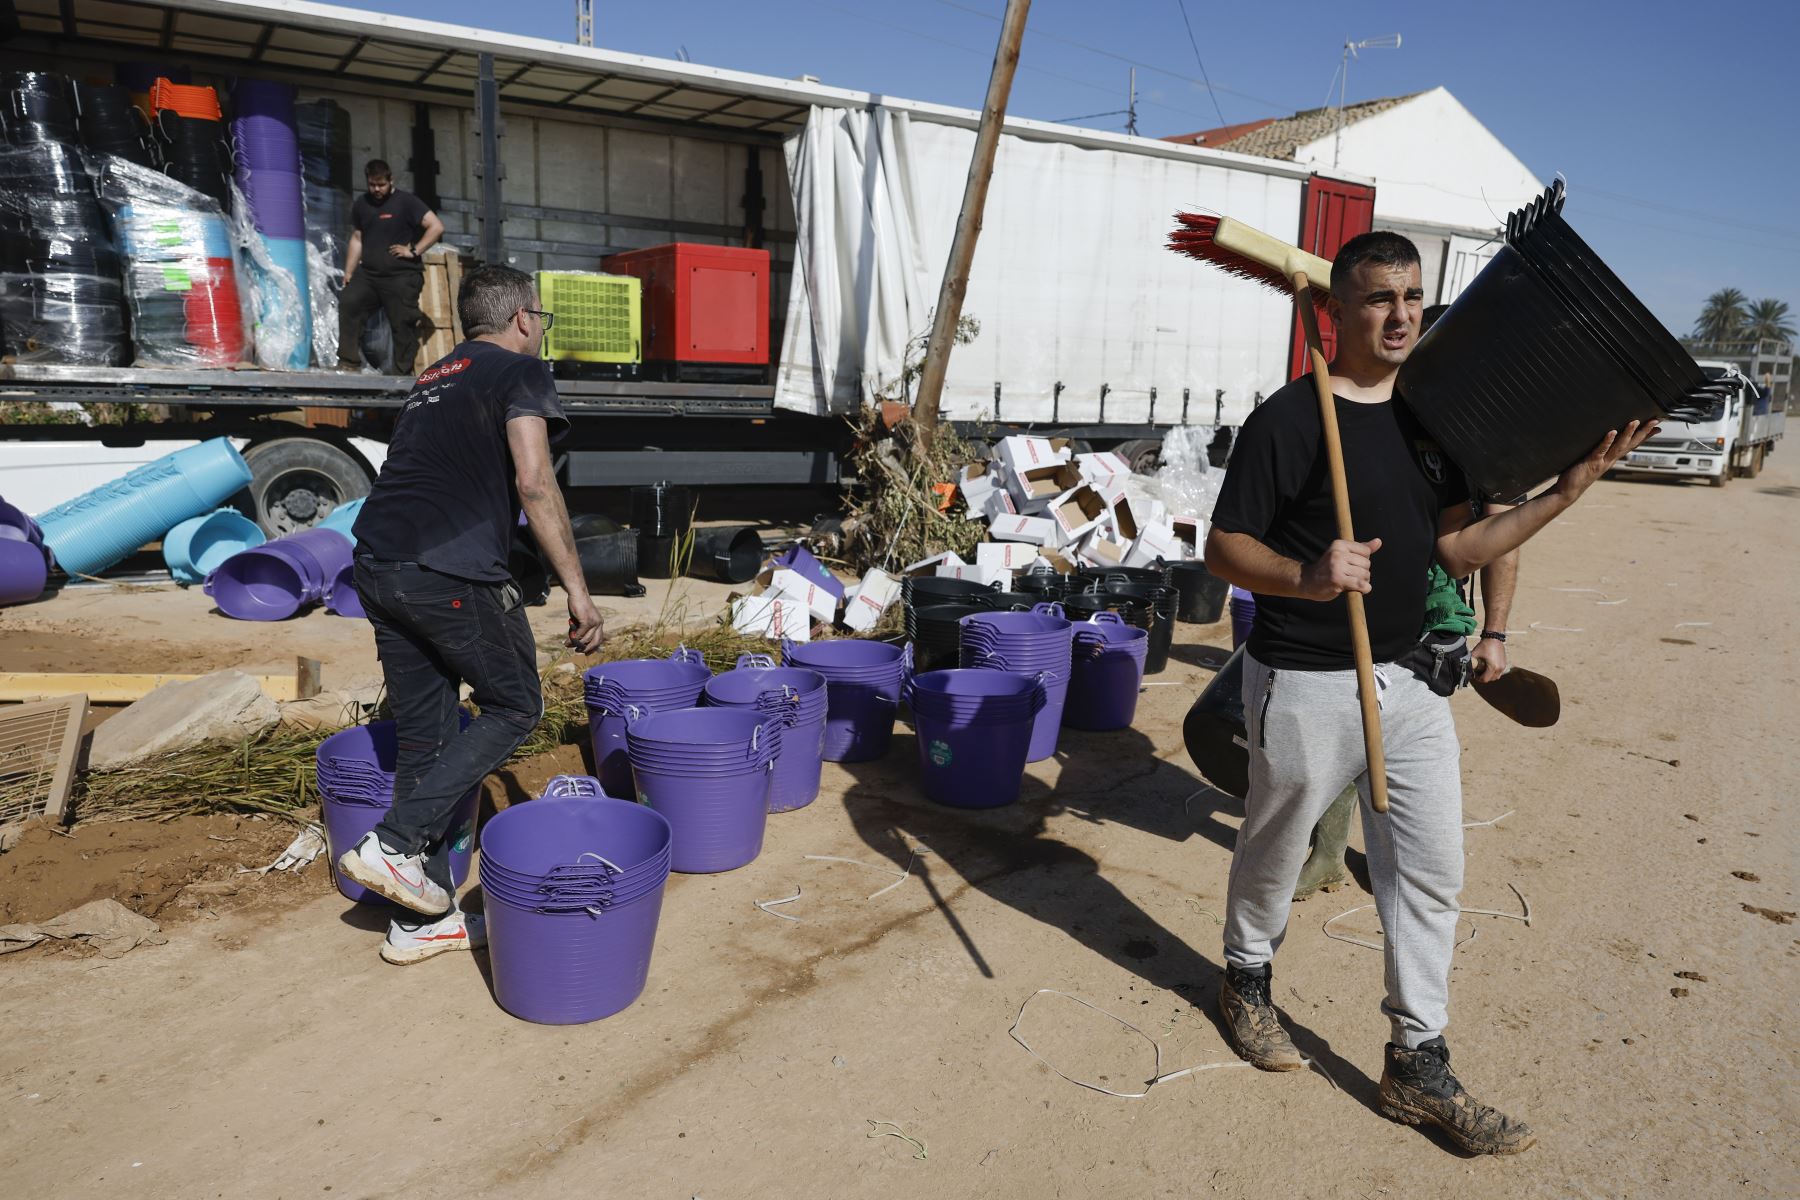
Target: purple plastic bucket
<point>795,700</point>
<point>717,799</point>
<point>1052,665</point>
<point>650,684</point>
<point>343,598</point>
<point>569,968</point>
<point>974,731</point>
<point>22,571</point>
<point>574,853</point>
<point>345,825</point>
<point>863,682</point>
<point>275,580</point>
<point>1106,675</point>
<point>1243,615</point>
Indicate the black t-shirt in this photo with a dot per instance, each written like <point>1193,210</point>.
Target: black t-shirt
<point>397,219</point>
<point>1278,490</point>
<point>446,496</point>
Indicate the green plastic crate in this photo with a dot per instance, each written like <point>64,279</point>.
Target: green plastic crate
<point>599,318</point>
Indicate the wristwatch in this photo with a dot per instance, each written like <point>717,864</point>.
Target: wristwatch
<point>1495,634</point>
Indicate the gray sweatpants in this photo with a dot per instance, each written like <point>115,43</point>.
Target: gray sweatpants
<point>1306,744</point>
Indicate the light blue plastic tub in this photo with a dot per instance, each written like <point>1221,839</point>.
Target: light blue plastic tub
<point>343,517</point>
<point>289,255</point>
<point>99,528</point>
<point>195,548</point>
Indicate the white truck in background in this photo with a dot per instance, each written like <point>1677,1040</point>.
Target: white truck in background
<point>1734,439</point>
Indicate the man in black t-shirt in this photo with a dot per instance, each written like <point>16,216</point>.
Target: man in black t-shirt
<point>1275,534</point>
<point>471,446</point>
<point>385,267</point>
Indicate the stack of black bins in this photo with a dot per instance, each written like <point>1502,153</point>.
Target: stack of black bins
<point>1543,354</point>
<point>936,633</point>
<point>112,123</point>
<point>661,514</point>
<point>928,590</point>
<point>1144,601</point>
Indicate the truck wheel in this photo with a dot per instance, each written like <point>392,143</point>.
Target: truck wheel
<point>1756,461</point>
<point>1145,456</point>
<point>296,482</point>
<point>1724,475</point>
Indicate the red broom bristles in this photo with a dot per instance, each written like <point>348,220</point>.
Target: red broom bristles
<point>1194,238</point>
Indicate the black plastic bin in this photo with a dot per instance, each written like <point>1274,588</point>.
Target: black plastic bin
<point>1214,730</point>
<point>1202,594</point>
<point>609,562</point>
<point>728,553</point>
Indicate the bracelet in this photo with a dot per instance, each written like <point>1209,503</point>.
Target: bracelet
<point>1495,634</point>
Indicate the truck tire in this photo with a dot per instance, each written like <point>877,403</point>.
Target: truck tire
<point>1145,456</point>
<point>296,482</point>
<point>1756,461</point>
<point>1724,475</point>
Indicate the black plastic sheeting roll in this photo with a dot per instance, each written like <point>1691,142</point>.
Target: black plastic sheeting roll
<point>1540,356</point>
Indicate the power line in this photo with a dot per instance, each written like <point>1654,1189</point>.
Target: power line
<point>1039,32</point>
<point>1182,4</point>
<point>1023,66</point>
<point>1090,116</point>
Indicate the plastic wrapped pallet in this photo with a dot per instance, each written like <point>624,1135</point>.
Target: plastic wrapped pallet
<point>180,279</point>
<point>325,171</point>
<point>61,297</point>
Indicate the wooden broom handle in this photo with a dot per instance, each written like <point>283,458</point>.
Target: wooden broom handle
<point>1340,495</point>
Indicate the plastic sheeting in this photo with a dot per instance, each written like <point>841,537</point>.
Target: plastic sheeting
<point>1070,281</point>
<point>180,278</point>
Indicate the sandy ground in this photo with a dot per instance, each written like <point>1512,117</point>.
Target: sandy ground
<point>1639,1022</point>
<point>157,628</point>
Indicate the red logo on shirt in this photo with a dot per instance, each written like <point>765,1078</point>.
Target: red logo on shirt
<point>442,371</point>
<point>385,217</point>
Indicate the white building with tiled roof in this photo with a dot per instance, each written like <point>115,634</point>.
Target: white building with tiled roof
<point>1441,177</point>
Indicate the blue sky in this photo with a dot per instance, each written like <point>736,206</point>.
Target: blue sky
<point>1674,123</point>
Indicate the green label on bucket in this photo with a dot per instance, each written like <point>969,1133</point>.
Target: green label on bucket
<point>464,836</point>
<point>940,753</point>
<point>644,799</point>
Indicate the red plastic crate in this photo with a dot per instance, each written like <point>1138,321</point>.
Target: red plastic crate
<point>702,304</point>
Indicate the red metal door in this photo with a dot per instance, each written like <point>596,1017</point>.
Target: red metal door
<point>1333,212</point>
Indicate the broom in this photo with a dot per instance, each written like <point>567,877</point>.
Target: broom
<point>1249,253</point>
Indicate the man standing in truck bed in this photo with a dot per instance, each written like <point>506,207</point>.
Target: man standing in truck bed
<point>385,267</point>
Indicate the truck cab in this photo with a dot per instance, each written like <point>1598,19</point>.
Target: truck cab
<point>1699,449</point>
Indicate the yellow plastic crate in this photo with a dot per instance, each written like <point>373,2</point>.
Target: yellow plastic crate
<point>599,318</point>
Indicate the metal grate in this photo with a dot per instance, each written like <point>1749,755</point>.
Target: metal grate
<point>37,757</point>
<point>598,317</point>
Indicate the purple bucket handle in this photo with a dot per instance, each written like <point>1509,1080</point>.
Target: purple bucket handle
<point>755,660</point>
<point>684,654</point>
<point>787,650</point>
<point>1040,695</point>
<point>1049,609</point>
<point>602,860</point>
<point>634,714</point>
<point>906,662</point>
<point>1106,618</point>
<point>988,658</point>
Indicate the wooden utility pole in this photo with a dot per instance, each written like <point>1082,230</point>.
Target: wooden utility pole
<point>968,223</point>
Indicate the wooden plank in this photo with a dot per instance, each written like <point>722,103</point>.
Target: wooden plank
<point>118,688</point>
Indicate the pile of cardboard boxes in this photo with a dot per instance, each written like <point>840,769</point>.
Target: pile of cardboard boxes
<point>1042,502</point>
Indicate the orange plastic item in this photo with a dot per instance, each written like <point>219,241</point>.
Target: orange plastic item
<point>201,103</point>
<point>945,492</point>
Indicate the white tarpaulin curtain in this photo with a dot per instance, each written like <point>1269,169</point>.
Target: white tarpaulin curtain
<point>1071,282</point>
<point>865,275</point>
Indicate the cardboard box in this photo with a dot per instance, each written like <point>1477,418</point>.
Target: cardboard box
<point>774,616</point>
<point>1101,551</point>
<point>1020,454</point>
<point>986,576</point>
<point>1035,489</point>
<point>1191,533</point>
<point>1009,556</point>
<point>929,566</point>
<point>1125,520</point>
<point>795,586</point>
<point>1104,469</point>
<point>865,603</point>
<point>1156,541</point>
<point>977,482</point>
<point>1040,531</point>
<point>1078,512</point>
<point>999,504</point>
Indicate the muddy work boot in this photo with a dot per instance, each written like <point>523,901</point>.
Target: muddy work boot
<point>1324,870</point>
<point>1417,1088</point>
<point>1256,1032</point>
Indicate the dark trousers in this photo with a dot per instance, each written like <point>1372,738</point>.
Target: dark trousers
<point>396,293</point>
<point>433,633</point>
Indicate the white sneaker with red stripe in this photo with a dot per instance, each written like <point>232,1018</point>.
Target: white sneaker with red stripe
<point>397,877</point>
<point>409,943</point>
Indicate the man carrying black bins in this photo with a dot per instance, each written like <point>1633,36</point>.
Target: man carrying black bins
<point>1274,533</point>
<point>471,445</point>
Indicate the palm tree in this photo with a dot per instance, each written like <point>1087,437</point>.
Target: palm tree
<point>1722,319</point>
<point>1768,319</point>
